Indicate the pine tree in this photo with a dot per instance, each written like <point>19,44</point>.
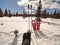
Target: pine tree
<point>55,14</point>
<point>38,13</point>
<point>47,14</point>
<point>44,14</point>
<point>51,15</point>
<point>23,11</point>
<point>58,13</point>
<point>1,12</point>
<point>17,13</point>
<point>5,13</point>
<point>9,15</point>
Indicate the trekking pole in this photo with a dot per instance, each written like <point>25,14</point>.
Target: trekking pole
<point>31,16</point>
<point>29,20</point>
<point>31,24</point>
<point>28,17</point>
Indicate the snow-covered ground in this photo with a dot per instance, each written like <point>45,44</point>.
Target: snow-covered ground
<point>50,31</point>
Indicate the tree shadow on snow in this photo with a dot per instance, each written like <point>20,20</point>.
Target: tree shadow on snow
<point>42,34</point>
<point>51,23</point>
<point>7,34</point>
<point>14,41</point>
<point>57,36</point>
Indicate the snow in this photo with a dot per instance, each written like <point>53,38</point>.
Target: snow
<point>50,31</point>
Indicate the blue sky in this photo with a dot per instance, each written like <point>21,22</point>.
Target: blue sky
<point>11,5</point>
<point>14,6</point>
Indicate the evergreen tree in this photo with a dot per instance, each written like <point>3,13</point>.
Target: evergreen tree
<point>9,15</point>
<point>47,14</point>
<point>58,14</point>
<point>13,14</point>
<point>5,13</point>
<point>55,14</point>
<point>38,13</point>
<point>23,11</point>
<point>1,12</point>
<point>17,13</point>
<point>51,15</point>
<point>44,14</point>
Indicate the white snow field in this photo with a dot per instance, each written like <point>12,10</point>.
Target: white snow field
<point>50,31</point>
